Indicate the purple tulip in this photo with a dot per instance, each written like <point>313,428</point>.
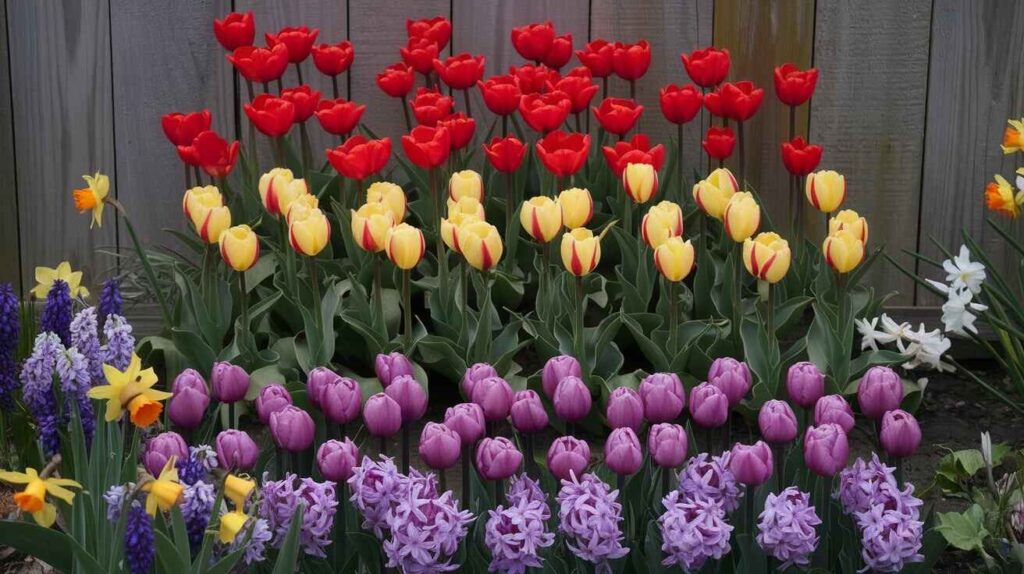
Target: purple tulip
<point>494,395</point>
<point>189,400</point>
<point>229,382</point>
<point>160,449</point>
<point>568,456</point>
<point>900,435</point>
<point>439,446</point>
<point>880,391</point>
<point>622,452</point>
<point>467,420</point>
<point>528,414</point>
<point>382,415</point>
<point>777,422</point>
<point>667,444</point>
<point>751,464</point>
<point>236,450</point>
<point>410,396</point>
<point>340,400</point>
<point>336,459</point>
<point>834,409</point>
<point>805,384</point>
<point>663,397</point>
<point>556,369</point>
<point>497,458</point>
<point>474,374</point>
<point>732,377</point>
<point>390,366</point>
<point>572,399</point>
<point>826,449</point>
<point>271,399</point>
<point>625,409</point>
<point>317,381</point>
<point>291,428</point>
<point>709,406</point>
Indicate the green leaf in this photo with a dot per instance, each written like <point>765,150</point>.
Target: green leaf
<point>167,554</point>
<point>288,556</point>
<point>49,545</point>
<point>966,530</point>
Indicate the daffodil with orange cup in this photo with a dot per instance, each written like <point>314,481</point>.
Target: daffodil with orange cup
<point>32,498</point>
<point>131,390</point>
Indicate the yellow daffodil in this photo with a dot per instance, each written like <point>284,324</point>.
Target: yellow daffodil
<point>1013,137</point>
<point>231,523</point>
<point>237,489</point>
<point>999,197</point>
<point>32,498</point>
<point>165,490</point>
<point>131,389</point>
<point>45,276</point>
<point>93,197</point>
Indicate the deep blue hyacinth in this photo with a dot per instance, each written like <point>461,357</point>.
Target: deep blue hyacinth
<point>10,329</point>
<point>56,315</point>
<point>191,469</point>
<point>110,298</point>
<point>139,543</point>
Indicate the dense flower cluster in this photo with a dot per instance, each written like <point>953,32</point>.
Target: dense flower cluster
<point>139,541</point>
<point>693,529</point>
<point>376,487</point>
<point>256,544</point>
<point>709,477</point>
<point>425,529</point>
<point>196,506</point>
<point>56,315</point>
<point>280,500</point>
<point>10,329</point>
<point>114,497</point>
<point>37,390</point>
<point>589,518</point>
<point>786,528</point>
<point>73,372</point>
<point>515,535</point>
<point>110,298</point>
<point>120,342</point>
<point>85,338</point>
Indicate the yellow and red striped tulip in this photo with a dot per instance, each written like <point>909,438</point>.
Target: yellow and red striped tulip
<point>581,251</point>
<point>370,225</point>
<point>450,228</point>
<point>577,207</point>
<point>309,232</point>
<point>742,216</point>
<point>305,201</point>
<point>466,183</point>
<point>212,222</point>
<point>640,181</point>
<point>674,258</point>
<point>843,251</point>
<point>278,189</point>
<point>849,219</point>
<point>198,199</point>
<point>405,246</point>
<point>714,192</point>
<point>391,195</point>
<point>767,257</point>
<point>826,190</point>
<point>469,206</point>
<point>481,244</point>
<point>661,221</point>
<point>541,217</point>
<point>239,247</point>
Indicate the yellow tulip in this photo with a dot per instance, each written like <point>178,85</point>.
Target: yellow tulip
<point>304,202</point>
<point>32,498</point>
<point>742,216</point>
<point>165,490</point>
<point>213,222</point>
<point>714,192</point>
<point>843,251</point>
<point>661,221</point>
<point>389,194</point>
<point>577,207</point>
<point>541,217</point>
<point>826,190</point>
<point>370,225</point>
<point>467,205</point>
<point>310,233</point>
<point>1013,137</point>
<point>674,258</point>
<point>640,181</point>
<point>278,189</point>
<point>405,246</point>
<point>199,199</point>
<point>849,219</point>
<point>581,251</point>
<point>231,523</point>
<point>481,244</point>
<point>450,228</point>
<point>466,183</point>
<point>237,489</point>
<point>46,276</point>
<point>131,389</point>
<point>239,247</point>
<point>767,257</point>
<point>93,196</point>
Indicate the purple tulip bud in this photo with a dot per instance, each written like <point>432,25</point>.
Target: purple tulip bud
<point>160,449</point>
<point>663,397</point>
<point>291,428</point>
<point>189,400</point>
<point>568,456</point>
<point>271,399</point>
<point>805,384</point>
<point>467,420</point>
<point>340,400</point>
<point>900,435</point>
<point>622,452</point>
<point>825,449</point>
<point>834,409</point>
<point>556,369</point>
<point>439,446</point>
<point>390,366</point>
<point>382,415</point>
<point>497,458</point>
<point>336,459</point>
<point>236,450</point>
<point>409,395</point>
<point>494,395</point>
<point>880,391</point>
<point>709,406</point>
<point>475,374</point>
<point>751,464</point>
<point>317,381</point>
<point>572,399</point>
<point>625,409</point>
<point>732,377</point>
<point>229,382</point>
<point>777,422</point>
<point>667,444</point>
<point>528,414</point>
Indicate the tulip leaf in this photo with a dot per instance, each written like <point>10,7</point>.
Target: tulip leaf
<point>288,556</point>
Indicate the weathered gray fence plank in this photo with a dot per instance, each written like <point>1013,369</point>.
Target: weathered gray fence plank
<point>10,254</point>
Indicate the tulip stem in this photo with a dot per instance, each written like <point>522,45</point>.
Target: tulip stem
<point>298,72</point>
<point>666,474</point>
<point>770,312</point>
<point>384,446</point>
<point>531,465</point>
<point>578,339</point>
<point>466,279</point>
<point>231,416</point>
<point>620,484</point>
<point>467,453</point>
<point>673,318</point>
<point>147,267</point>
<point>542,289</point>
<point>314,279</point>
<point>627,213</point>
<point>405,447</point>
<point>243,302</point>
<point>737,285</point>
<point>466,98</point>
<point>405,113</point>
<point>307,151</point>
<point>280,463</point>
<point>442,478</point>
<point>499,492</point>
<point>334,86</point>
<point>339,526</point>
<point>279,160</point>
<point>295,463</point>
<point>509,203</point>
<point>750,510</point>
<point>188,177</point>
<point>407,312</point>
<point>378,301</point>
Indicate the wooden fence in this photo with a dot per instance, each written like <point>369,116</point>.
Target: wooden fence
<point>911,102</point>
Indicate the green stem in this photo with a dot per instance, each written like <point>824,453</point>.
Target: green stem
<point>378,300</point>
<point>770,312</point>
<point>278,152</point>
<point>627,213</point>
<point>314,279</point>
<point>469,108</point>
<point>467,461</point>
<point>147,266</point>
<point>509,204</point>
<point>407,311</point>
<point>579,331</point>
<point>673,318</point>
<point>542,290</point>
<point>243,302</point>
<point>307,151</point>
<point>737,285</point>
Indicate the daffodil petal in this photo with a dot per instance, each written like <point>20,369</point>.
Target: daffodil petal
<point>47,516</point>
<point>156,395</point>
<point>147,378</point>
<point>12,477</point>
<point>103,392</point>
<point>59,491</point>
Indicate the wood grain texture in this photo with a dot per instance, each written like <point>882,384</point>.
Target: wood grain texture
<point>10,254</point>
<point>975,85</point>
<point>868,113</point>
<point>62,109</point>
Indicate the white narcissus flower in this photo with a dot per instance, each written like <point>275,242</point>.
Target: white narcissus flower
<point>870,336</point>
<point>926,349</point>
<point>957,315</point>
<point>961,272</point>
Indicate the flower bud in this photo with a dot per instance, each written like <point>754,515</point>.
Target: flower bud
<point>317,381</point>
<point>541,217</point>
<point>450,228</point>
<point>622,452</point>
<point>300,207</point>
<point>527,412</point>
<point>271,399</point>
<point>466,183</point>
<point>577,207</point>
<point>494,395</point>
<point>466,419</point>
<point>663,397</point>
<point>239,247</point>
<point>741,217</point>
<point>849,220</point>
<point>556,369</point>
<point>777,422</point>
<point>238,489</point>
<point>667,444</point>
<point>581,251</point>
<point>474,374</point>
<point>410,396</point>
<point>714,192</point>
<point>568,456</point>
<point>674,259</point>
<point>278,189</point>
<point>481,245</point>
<point>310,233</point>
<point>709,406</point>
<point>751,464</point>
<point>391,196</point>
<point>388,366</point>
<point>572,399</point>
<point>880,390</point>
<point>662,221</point>
<point>767,257</point>
<point>291,428</point>
<point>732,377</point>
<point>370,225</point>
<point>497,458</point>
<point>197,200</point>
<point>900,435</point>
<point>826,190</point>
<point>640,181</point>
<point>340,400</point>
<point>405,246</point>
<point>805,384</point>
<point>236,451</point>
<point>213,223</point>
<point>382,415</point>
<point>162,448</point>
<point>189,399</point>
<point>229,382</point>
<point>439,446</point>
<point>843,251</point>
<point>625,409</point>
<point>825,449</point>
<point>336,458</point>
<point>833,409</point>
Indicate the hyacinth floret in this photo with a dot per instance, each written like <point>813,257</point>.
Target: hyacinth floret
<point>890,539</point>
<point>195,467</point>
<point>709,477</point>
<point>114,497</point>
<point>196,506</point>
<point>85,338</point>
<point>10,330</point>
<point>256,544</point>
<point>786,528</point>
<point>693,529</point>
<point>75,382</point>
<point>376,488</point>
<point>425,529</point>
<point>110,298</point>
<point>516,535</point>
<point>120,342</point>
<point>589,518</point>
<point>139,542</point>
<point>56,314</point>
<point>37,390</point>
<point>280,499</point>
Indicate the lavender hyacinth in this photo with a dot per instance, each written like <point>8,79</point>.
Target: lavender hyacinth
<point>786,528</point>
<point>256,545</point>
<point>709,477</point>
<point>425,529</point>
<point>515,535</point>
<point>139,542</point>
<point>10,329</point>
<point>376,487</point>
<point>196,506</point>
<point>860,484</point>
<point>110,298</point>
<point>85,338</point>
<point>114,497</point>
<point>56,315</point>
<point>589,518</point>
<point>693,529</point>
<point>73,371</point>
<point>120,342</point>
<point>37,390</point>
<point>282,497</point>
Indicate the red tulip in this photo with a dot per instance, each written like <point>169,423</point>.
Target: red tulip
<point>333,59</point>
<point>560,52</point>
<point>505,154</point>
<point>563,154</point>
<point>237,29</point>
<point>396,80</point>
<point>298,39</point>
<point>631,61</point>
<point>533,41</point>
<point>545,112</point>
<point>187,154</point>
<point>420,54</point>
<point>460,128</point>
<point>800,157</point>
<point>707,67</point>
<point>260,64</point>
<point>460,72</point>
<point>427,147</point>
<point>532,79</point>
<point>680,104</point>
<point>598,56</point>
<point>741,99</point>
<point>618,115</point>
<point>214,154</point>
<point>271,115</point>
<point>794,86</point>
<point>181,128</point>
<point>429,106</point>
<point>438,30</point>
<point>340,116</point>
<point>719,142</point>
<point>501,94</point>
<point>359,158</point>
<point>715,103</point>
<point>636,150</point>
<point>305,100</point>
<point>579,86</point>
